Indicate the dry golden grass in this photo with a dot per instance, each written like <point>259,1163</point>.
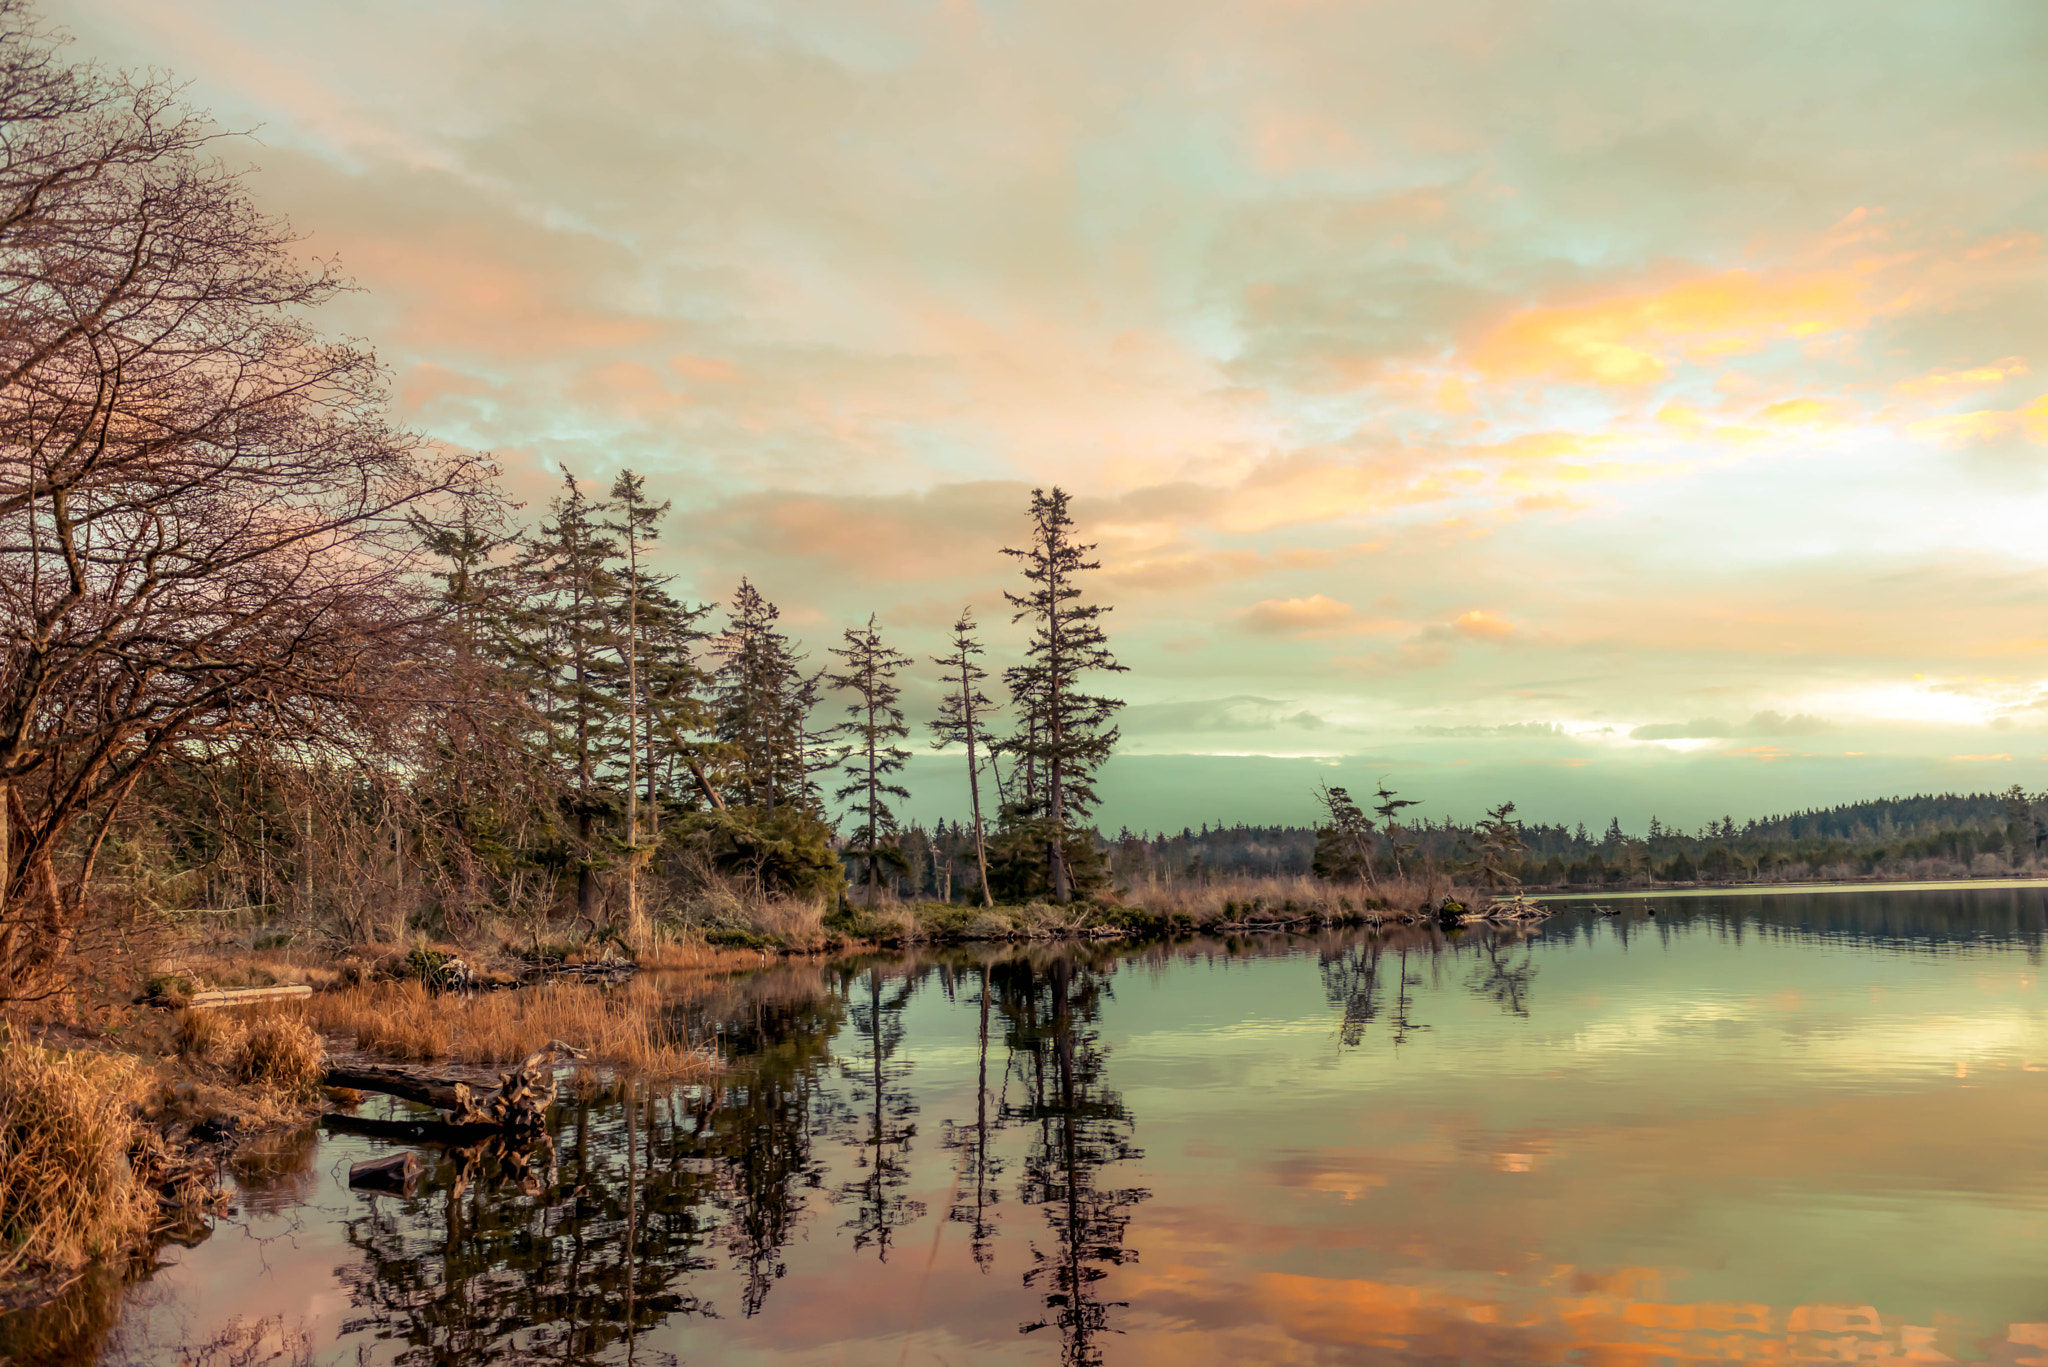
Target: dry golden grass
<point>67,1192</point>
<point>270,1048</point>
<point>622,1026</point>
<point>281,1053</point>
<point>720,906</point>
<point>1278,898</point>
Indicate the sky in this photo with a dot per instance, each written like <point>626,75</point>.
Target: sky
<point>1619,407</point>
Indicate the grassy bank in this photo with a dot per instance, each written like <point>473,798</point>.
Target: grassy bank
<point>103,1147</point>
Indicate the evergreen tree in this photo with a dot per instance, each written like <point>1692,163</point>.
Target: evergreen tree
<point>1389,807</point>
<point>874,725</point>
<point>678,721</point>
<point>1500,845</point>
<point>1344,848</point>
<point>961,712</point>
<point>482,775</point>
<point>571,645</point>
<point>1065,733</point>
<point>637,522</point>
<point>763,701</point>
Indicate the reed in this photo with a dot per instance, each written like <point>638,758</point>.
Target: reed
<point>1251,900</point>
<point>67,1191</point>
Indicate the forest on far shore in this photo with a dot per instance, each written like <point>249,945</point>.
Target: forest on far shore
<point>1946,835</point>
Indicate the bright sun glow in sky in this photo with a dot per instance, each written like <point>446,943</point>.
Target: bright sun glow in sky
<point>1603,405</point>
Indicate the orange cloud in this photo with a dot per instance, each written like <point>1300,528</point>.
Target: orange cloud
<point>1943,384</point>
<point>1982,759</point>
<point>1802,413</point>
<point>1957,429</point>
<point>1315,613</point>
<point>1762,753</point>
<point>1631,340</point>
<point>1573,1314</point>
<point>703,368</point>
<point>1481,625</point>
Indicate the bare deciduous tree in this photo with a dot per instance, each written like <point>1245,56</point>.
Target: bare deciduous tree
<point>202,508</point>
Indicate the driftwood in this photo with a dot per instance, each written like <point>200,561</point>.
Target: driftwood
<point>595,971</point>
<point>439,1093</point>
<point>396,1173</point>
<point>240,996</point>
<point>520,1104</point>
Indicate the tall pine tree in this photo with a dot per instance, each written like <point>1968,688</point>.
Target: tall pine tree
<point>1065,733</point>
<point>962,711</point>
<point>871,732</point>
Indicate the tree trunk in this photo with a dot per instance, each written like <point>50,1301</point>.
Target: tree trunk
<point>1062,882</point>
<point>974,789</point>
<point>586,881</point>
<point>635,932</point>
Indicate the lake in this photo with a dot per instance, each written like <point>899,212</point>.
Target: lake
<point>1805,1128</point>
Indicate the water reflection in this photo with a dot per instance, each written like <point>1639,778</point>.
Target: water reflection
<point>1052,1014</point>
<point>1724,1130</point>
<point>879,1106</point>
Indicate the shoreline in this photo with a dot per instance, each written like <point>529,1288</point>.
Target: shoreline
<point>2004,882</point>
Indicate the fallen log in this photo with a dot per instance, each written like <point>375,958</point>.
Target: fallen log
<point>239,996</point>
<point>520,1103</point>
<point>439,1093</point>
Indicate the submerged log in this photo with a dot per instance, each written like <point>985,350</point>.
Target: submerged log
<point>396,1173</point>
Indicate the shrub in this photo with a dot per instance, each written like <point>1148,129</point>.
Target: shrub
<point>282,1053</point>
<point>67,1192</point>
<point>786,851</point>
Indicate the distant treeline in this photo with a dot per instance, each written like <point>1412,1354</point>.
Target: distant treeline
<point>1925,835</point>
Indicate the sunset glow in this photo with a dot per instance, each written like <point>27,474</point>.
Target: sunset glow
<point>1432,371</point>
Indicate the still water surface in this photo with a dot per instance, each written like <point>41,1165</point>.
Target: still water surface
<point>1795,1128</point>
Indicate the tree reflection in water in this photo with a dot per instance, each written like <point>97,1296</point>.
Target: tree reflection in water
<point>1052,1011</point>
<point>1358,980</point>
<point>529,1261</point>
<point>757,1129</point>
<point>976,1168</point>
<point>882,1106</point>
<point>603,1236</point>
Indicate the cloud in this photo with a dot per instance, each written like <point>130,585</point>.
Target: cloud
<point>1544,730</point>
<point>1315,615</point>
<point>950,531</point>
<point>1706,728</point>
<point>1233,714</point>
<point>1374,315</point>
<point>1631,340</point>
<point>1947,384</point>
<point>1960,429</point>
<point>1480,625</point>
